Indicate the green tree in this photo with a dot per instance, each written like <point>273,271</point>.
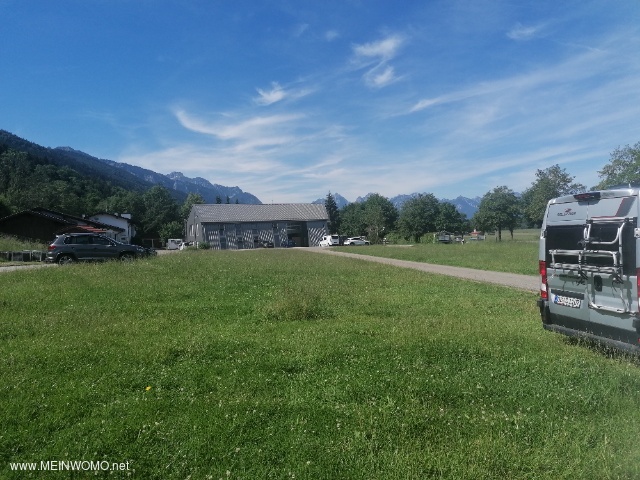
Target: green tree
<point>418,216</point>
<point>379,217</point>
<point>191,200</point>
<point>173,229</point>
<point>623,167</point>
<point>333,212</point>
<point>5,210</point>
<point>498,209</point>
<point>160,209</point>
<point>450,219</point>
<point>218,199</point>
<point>352,220</point>
<point>124,201</point>
<point>550,183</point>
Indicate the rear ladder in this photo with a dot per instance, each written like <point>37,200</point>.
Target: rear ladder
<point>608,260</point>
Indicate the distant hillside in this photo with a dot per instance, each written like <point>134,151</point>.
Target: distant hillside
<point>80,162</point>
<point>175,181</point>
<point>127,176</point>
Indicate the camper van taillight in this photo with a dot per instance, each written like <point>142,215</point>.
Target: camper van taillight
<point>543,280</point>
<point>585,197</point>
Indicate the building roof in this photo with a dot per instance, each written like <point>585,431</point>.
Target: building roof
<point>275,212</point>
<point>63,219</point>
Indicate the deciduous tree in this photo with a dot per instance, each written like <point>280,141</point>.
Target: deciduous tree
<point>498,209</point>
<point>418,216</point>
<point>623,167</point>
<point>550,183</point>
<point>450,219</point>
<point>160,209</point>
<point>191,200</point>
<point>380,216</point>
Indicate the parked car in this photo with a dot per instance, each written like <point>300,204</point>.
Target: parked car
<point>356,241</point>
<point>330,241</point>
<point>79,247</point>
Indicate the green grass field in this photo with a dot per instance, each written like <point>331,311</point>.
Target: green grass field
<point>282,364</point>
<point>519,255</point>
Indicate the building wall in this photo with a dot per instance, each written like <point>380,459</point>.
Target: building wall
<point>29,226</point>
<point>119,221</point>
<point>317,230</point>
<point>239,236</point>
<point>248,235</point>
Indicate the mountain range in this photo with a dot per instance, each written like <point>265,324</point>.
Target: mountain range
<point>131,177</point>
<point>128,176</point>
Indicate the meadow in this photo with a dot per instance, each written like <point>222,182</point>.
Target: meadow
<point>517,255</point>
<point>282,364</point>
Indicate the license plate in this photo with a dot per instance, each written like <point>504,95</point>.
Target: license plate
<point>567,301</point>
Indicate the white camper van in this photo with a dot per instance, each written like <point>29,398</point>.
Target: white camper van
<point>590,267</point>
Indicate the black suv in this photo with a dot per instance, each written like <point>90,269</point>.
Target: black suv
<point>74,247</point>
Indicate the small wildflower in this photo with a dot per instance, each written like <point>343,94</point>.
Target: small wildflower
<point>148,388</point>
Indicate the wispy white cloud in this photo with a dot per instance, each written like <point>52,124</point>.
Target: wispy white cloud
<point>267,97</point>
<point>375,56</point>
<point>522,32</point>
<point>380,76</point>
<point>300,29</point>
<point>251,128</point>
<point>381,50</point>
<point>331,35</point>
<point>278,93</point>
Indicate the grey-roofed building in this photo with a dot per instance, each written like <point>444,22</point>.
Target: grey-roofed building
<point>240,226</point>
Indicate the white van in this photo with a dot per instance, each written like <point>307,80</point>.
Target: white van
<point>590,267</point>
<point>173,243</point>
<point>330,241</point>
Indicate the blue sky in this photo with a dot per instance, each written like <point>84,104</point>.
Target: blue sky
<point>292,99</point>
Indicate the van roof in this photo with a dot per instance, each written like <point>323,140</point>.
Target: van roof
<point>609,193</point>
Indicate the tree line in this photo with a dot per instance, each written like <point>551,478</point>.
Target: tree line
<point>500,209</point>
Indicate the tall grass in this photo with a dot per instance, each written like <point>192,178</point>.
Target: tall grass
<point>9,243</point>
<point>281,364</point>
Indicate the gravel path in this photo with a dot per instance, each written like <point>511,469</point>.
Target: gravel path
<point>514,280</point>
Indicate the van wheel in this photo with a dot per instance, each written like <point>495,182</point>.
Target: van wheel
<point>66,260</point>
